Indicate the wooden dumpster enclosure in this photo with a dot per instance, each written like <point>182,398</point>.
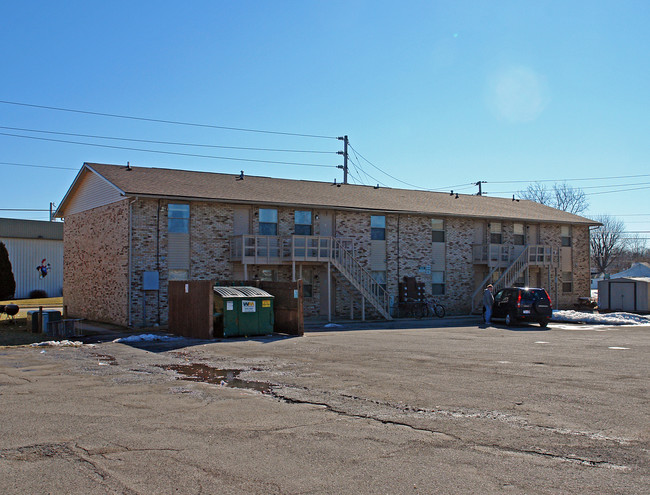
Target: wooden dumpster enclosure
<point>191,306</point>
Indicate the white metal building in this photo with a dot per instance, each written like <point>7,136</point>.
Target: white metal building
<point>36,253</point>
<point>630,294</point>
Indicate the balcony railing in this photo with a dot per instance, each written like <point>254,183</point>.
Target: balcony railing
<point>501,255</point>
<point>276,250</point>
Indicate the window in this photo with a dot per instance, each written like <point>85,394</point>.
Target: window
<point>268,221</point>
<point>178,218</point>
<point>380,278</point>
<point>567,282</point>
<point>377,228</point>
<point>307,275</point>
<point>303,222</point>
<point>438,230</point>
<point>438,283</point>
<point>178,274</point>
<point>566,235</point>
<point>496,237</point>
<point>519,236</point>
<point>267,275</point>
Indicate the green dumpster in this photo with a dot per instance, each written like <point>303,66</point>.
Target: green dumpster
<point>242,311</point>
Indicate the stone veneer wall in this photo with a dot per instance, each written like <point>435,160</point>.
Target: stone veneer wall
<point>96,263</point>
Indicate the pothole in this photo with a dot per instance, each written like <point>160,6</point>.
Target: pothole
<point>199,372</point>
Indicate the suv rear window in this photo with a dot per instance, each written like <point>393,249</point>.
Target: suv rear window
<point>534,295</point>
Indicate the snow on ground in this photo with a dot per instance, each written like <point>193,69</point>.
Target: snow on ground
<point>602,319</point>
<point>58,343</point>
<point>147,337</point>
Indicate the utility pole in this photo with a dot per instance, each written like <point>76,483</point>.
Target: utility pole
<point>480,190</point>
<point>51,211</point>
<point>345,158</point>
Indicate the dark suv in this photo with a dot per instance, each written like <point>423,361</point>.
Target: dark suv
<point>523,304</point>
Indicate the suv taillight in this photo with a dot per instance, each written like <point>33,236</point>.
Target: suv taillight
<point>549,299</point>
<point>519,299</point>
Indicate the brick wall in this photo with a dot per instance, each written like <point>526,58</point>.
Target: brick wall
<point>97,243</point>
<point>96,260</point>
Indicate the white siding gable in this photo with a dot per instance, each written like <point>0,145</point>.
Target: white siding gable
<point>92,191</point>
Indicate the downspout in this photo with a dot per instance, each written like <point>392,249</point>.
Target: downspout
<point>398,248</point>
<point>128,307</point>
<point>158,262</point>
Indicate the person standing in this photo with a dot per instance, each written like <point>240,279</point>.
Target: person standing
<point>488,301</point>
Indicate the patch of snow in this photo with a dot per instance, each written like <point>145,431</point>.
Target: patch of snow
<point>542,342</point>
<point>57,343</point>
<point>601,319</point>
<point>621,348</point>
<point>333,325</point>
<point>147,337</point>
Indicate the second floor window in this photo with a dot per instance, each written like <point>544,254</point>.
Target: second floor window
<point>268,221</point>
<point>303,223</point>
<point>438,230</point>
<point>178,218</point>
<point>566,236</point>
<point>378,228</point>
<point>496,236</point>
<point>519,237</point>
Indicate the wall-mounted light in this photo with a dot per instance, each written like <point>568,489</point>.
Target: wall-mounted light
<point>316,217</point>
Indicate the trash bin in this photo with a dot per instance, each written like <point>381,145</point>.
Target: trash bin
<point>49,315</point>
<point>242,311</point>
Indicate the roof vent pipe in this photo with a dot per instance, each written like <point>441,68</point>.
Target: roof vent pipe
<point>128,166</point>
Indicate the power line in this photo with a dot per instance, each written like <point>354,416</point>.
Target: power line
<point>177,153</point>
<point>198,145</point>
<point>36,166</point>
<point>20,209</point>
<point>618,190</point>
<point>567,180</point>
<point>586,187</point>
<point>163,121</point>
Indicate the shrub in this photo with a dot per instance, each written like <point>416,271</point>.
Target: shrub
<point>7,280</point>
<point>37,294</point>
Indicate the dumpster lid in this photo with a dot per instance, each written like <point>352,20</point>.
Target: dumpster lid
<point>241,292</point>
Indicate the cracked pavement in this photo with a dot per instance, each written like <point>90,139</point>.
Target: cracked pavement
<point>452,409</point>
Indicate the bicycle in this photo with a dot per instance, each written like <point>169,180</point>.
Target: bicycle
<point>433,307</point>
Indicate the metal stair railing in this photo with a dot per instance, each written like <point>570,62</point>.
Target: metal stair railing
<point>360,278</point>
<point>513,271</point>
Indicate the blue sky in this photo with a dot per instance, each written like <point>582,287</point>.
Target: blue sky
<point>435,94</point>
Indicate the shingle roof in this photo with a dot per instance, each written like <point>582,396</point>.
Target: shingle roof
<point>158,182</point>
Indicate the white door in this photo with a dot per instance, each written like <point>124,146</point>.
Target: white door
<point>241,221</point>
<point>621,295</point>
<point>326,223</point>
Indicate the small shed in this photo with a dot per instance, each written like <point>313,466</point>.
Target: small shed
<point>631,294</point>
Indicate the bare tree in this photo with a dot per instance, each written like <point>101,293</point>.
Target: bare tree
<point>606,241</point>
<point>636,247</point>
<point>561,196</point>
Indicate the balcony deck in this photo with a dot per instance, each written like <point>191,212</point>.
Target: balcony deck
<point>502,255</point>
<point>278,250</point>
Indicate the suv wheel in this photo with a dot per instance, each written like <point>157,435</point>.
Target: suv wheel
<point>510,319</point>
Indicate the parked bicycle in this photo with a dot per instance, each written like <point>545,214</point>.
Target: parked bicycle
<point>421,309</point>
<point>433,307</point>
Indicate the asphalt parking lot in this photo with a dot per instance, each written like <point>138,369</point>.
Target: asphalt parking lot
<point>385,409</point>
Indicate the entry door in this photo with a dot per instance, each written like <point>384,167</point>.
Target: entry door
<point>326,223</point>
<point>533,234</point>
<point>323,293</point>
<point>241,221</point>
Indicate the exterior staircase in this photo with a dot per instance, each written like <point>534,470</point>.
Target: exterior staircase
<point>360,278</point>
<point>531,255</point>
